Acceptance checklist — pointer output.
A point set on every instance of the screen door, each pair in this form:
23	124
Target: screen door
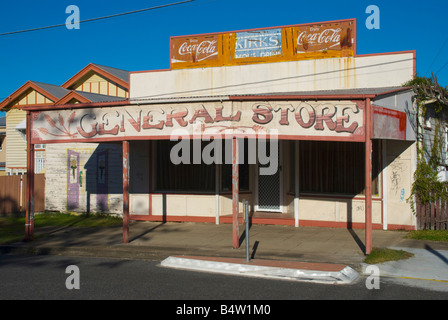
269	186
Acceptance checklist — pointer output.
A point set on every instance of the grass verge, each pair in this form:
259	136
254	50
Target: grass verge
380	255
433	235
12	228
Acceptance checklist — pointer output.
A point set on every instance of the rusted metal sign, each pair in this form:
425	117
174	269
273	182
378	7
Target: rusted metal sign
194	49
258	43
326	39
289	43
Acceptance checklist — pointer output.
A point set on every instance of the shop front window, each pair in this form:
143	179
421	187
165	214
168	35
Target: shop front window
329	167
190	177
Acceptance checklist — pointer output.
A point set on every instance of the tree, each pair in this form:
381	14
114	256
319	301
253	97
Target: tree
431	100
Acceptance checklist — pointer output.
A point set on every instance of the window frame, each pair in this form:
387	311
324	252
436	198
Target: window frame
376	170
221	168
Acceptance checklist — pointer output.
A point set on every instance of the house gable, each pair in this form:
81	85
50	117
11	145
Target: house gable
100	80
29	94
72	98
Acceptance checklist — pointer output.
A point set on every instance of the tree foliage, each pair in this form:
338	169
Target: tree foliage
428	89
428	93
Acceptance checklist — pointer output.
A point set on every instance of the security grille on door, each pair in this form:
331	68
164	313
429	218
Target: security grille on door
269	191
269	187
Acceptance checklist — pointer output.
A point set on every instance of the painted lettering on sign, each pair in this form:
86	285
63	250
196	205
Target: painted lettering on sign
324	37
260	43
194	49
328	38
323	40
299	118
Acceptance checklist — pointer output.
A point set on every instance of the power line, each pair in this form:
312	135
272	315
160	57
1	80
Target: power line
437	55
99	18
441	68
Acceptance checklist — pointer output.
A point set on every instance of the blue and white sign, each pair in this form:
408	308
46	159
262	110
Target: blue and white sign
259	43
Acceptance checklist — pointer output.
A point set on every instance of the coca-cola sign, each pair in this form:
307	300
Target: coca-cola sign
194	49
321	40
324	37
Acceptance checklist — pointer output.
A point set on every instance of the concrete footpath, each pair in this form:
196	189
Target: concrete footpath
324	255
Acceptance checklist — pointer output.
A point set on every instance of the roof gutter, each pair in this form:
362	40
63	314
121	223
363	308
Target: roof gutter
180	99
303	97
77	106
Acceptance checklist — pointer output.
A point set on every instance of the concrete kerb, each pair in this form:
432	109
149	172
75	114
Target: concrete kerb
279	270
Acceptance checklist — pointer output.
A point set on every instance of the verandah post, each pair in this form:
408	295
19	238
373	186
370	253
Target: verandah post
235	192
125	191
368	176
296	185
29	215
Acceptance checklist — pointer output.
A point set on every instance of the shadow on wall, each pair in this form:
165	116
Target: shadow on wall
102	177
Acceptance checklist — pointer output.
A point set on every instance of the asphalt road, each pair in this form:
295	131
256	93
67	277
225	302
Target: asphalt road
44	277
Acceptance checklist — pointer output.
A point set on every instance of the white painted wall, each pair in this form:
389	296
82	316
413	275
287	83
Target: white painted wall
371	71
56	177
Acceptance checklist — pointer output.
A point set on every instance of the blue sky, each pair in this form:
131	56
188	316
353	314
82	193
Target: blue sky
141	41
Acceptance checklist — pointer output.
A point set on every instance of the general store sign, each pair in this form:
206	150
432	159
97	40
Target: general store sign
341	120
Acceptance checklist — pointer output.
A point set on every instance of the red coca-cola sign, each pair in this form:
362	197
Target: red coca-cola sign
324	37
194	49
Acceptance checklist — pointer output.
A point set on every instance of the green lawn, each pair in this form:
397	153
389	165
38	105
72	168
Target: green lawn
433	235
12	228
380	255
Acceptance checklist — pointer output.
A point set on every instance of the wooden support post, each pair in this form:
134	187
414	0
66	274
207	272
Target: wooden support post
29	215
296	182
125	191
217	183
235	192
368	177
384	182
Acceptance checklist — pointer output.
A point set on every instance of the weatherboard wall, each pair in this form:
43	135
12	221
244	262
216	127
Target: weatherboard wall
95	83
16	141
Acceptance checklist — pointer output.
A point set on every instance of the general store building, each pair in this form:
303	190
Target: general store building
341	124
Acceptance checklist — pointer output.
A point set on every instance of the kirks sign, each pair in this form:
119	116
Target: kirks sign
261	43
341	120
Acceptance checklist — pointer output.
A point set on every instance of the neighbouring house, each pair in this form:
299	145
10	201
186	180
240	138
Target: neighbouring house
92	84
290	119
435	131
